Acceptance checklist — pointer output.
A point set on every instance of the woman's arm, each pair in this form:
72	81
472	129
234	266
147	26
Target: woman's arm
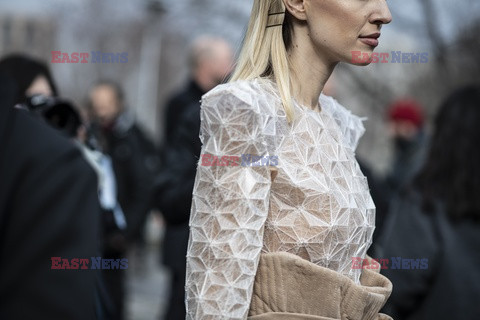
229	209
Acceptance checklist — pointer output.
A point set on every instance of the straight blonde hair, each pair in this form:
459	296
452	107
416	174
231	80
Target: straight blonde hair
264	51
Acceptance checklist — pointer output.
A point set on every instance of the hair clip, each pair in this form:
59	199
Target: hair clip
275	25
275	14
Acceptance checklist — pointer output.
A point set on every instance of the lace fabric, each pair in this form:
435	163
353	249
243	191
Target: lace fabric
318	206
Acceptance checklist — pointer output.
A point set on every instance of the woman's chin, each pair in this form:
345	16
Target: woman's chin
361	64
360	58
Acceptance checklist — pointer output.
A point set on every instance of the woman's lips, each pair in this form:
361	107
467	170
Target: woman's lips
370	41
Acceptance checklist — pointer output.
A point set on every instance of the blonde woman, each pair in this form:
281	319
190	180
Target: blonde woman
280	207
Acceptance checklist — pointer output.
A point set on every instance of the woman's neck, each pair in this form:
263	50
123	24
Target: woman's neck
309	72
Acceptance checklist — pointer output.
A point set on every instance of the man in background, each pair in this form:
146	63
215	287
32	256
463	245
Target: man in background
134	159
211	61
133	153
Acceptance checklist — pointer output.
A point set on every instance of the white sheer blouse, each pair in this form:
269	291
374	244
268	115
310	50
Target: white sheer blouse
313	201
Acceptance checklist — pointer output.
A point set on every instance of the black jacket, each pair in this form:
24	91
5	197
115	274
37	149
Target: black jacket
48	208
188	98
408	160
450	287
180	155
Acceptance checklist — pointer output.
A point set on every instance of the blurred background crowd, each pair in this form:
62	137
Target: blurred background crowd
136	124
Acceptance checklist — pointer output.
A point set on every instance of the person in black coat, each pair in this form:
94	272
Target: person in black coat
48	208
211	61
133	154
407	126
437	221
134	162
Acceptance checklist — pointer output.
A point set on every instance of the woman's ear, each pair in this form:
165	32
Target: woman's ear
296	8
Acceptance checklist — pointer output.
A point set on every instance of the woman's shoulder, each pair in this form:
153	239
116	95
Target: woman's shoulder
253	94
351	125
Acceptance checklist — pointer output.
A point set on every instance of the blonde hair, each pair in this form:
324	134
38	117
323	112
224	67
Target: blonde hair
264	51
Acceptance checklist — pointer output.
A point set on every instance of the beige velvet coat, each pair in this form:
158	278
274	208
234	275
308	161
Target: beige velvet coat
288	287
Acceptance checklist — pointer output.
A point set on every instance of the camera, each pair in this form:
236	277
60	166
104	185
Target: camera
57	112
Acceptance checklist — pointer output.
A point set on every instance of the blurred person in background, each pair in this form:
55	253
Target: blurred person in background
114	221
133	158
211	60
406	121
48	207
30	76
438	218
132	153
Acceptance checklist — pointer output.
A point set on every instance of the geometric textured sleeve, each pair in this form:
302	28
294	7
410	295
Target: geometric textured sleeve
229	208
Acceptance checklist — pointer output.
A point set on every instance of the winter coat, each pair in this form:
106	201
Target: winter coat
180	154
288	287
134	162
48	208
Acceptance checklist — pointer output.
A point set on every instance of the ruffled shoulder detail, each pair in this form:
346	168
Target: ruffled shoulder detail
258	93
260	96
242	90
351	125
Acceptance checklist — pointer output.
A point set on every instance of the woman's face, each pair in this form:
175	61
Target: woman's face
338	28
39	85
